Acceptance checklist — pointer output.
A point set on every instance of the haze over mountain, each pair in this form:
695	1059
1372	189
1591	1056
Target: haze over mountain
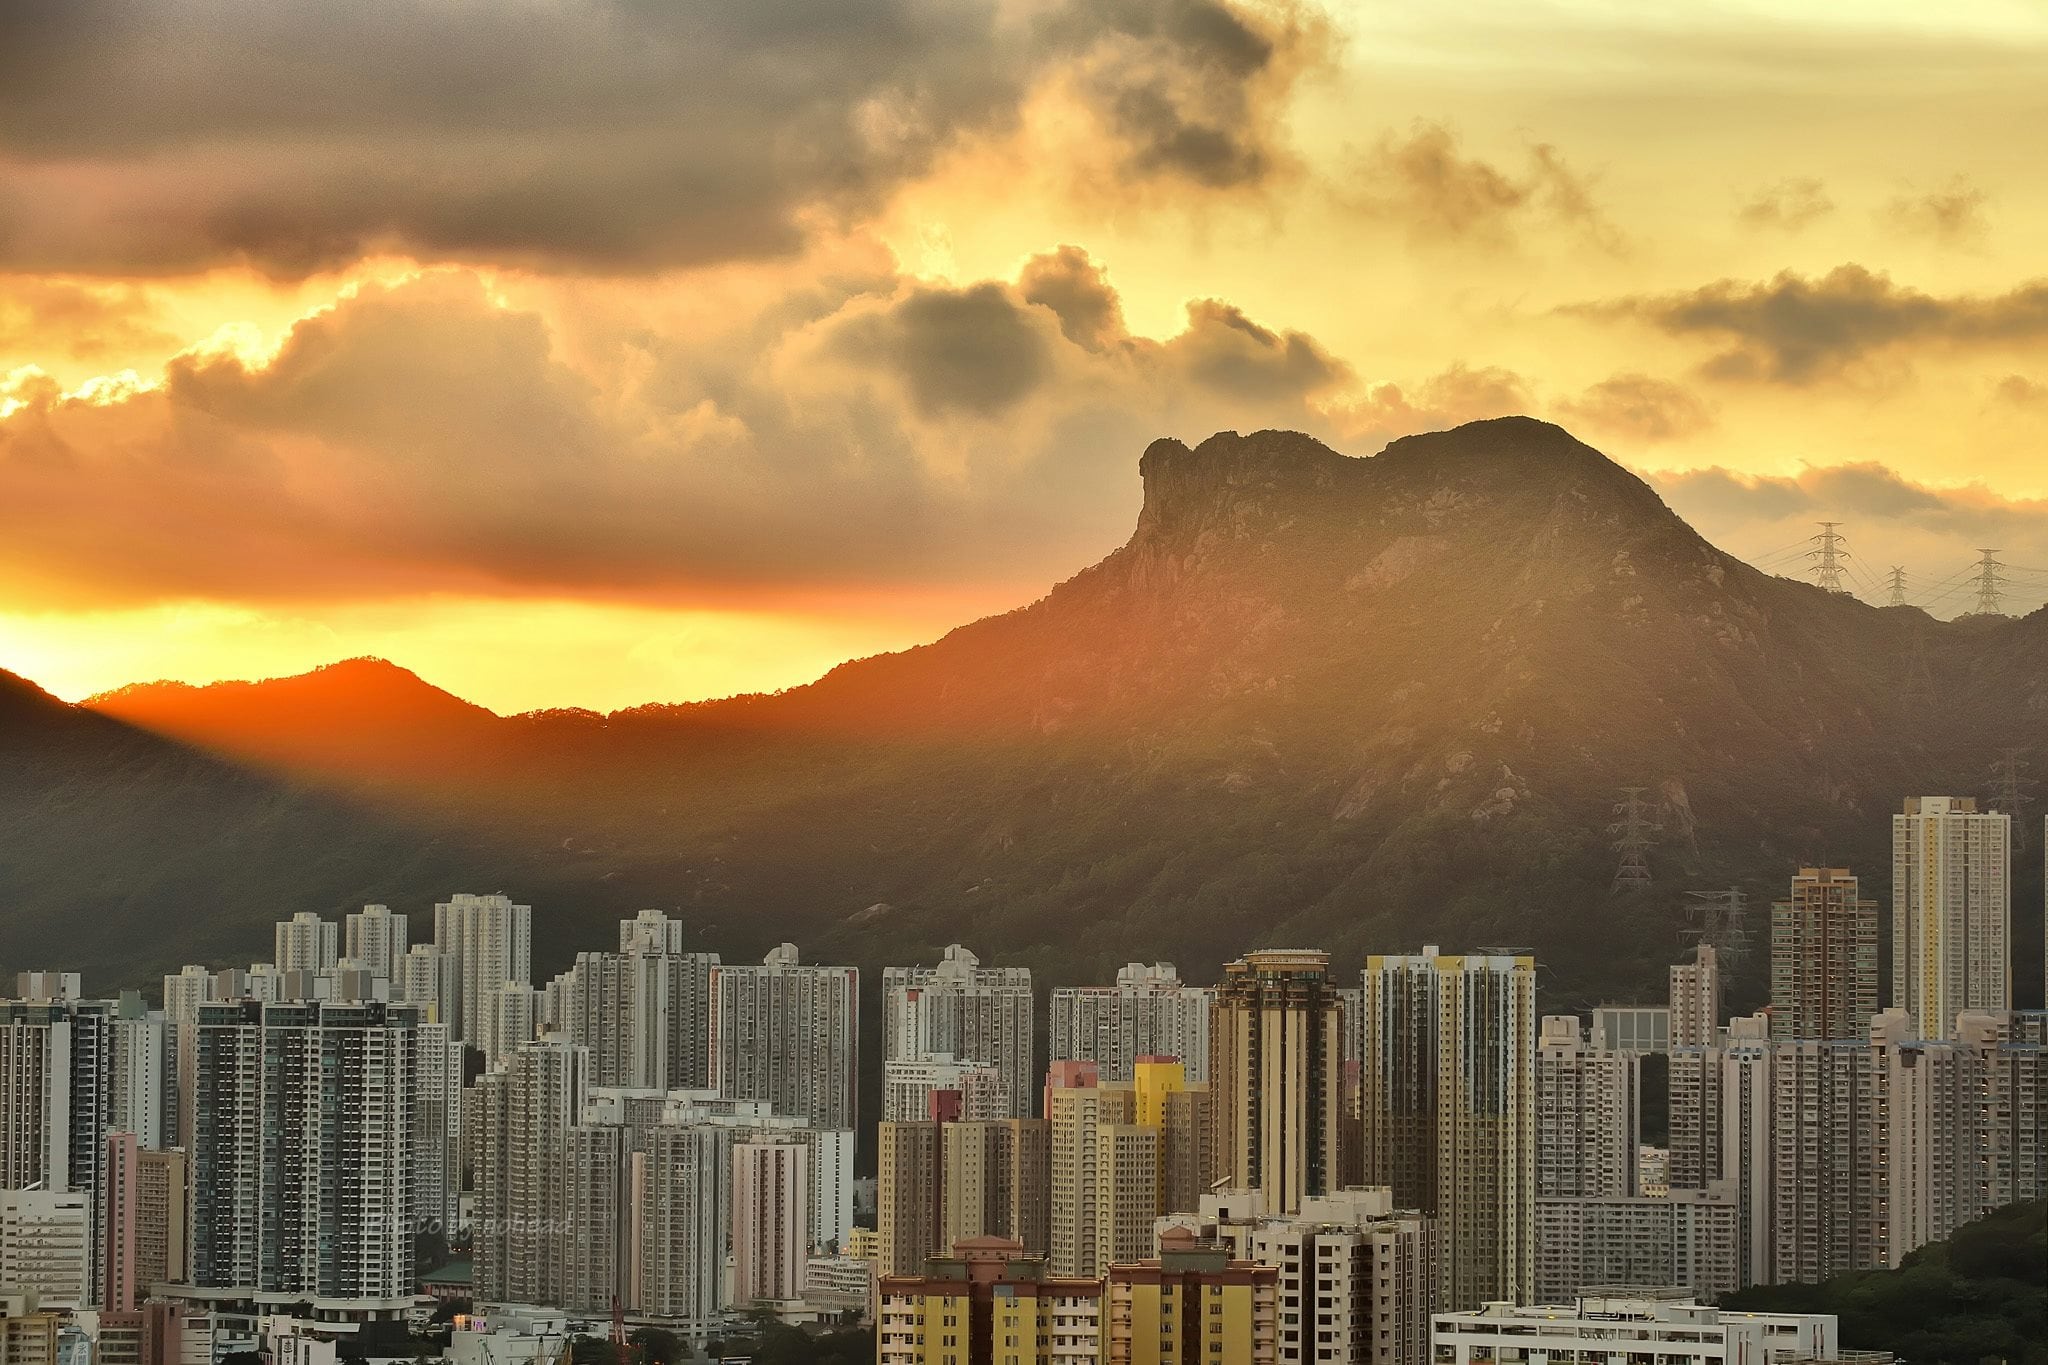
1358	703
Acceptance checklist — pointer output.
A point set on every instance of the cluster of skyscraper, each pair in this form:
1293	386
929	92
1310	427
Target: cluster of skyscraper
1326	1161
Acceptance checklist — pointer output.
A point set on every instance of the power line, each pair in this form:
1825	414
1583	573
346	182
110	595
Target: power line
1896	588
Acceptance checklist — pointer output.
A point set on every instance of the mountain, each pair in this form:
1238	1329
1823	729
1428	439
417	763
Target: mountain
123	853
1363	703
356	716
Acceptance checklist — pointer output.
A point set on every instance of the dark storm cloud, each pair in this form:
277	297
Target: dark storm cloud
1794	329
1425	182
1788	205
977	349
1188	88
164	136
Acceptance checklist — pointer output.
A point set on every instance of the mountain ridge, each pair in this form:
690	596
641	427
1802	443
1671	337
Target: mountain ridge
1361	701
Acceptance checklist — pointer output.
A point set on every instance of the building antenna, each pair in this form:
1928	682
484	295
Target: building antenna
1632	841
1828	552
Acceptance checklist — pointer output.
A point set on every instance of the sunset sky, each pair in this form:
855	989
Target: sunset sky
589	352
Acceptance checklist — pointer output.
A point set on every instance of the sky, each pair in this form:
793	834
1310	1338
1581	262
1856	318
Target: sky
599	352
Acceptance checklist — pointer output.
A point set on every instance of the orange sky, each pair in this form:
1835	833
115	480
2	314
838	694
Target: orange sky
614	358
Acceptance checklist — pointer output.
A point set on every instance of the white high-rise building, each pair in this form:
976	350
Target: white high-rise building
1951	911
307	943
1149	1012
490	942
376	938
46	1245
788	1033
644	1012
1448	1051
771	1201
907	1089
426	978
1587	1125
651	931
966	1013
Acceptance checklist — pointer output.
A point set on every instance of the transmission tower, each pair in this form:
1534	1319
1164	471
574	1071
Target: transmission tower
1719	920
1990	585
1897	597
1632	841
1828	552
2012	792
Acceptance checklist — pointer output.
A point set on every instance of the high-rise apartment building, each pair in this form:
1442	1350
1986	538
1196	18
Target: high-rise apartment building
1077	1116
1823	957
994	1182
686	1215
979	1091
1355	1278
964	1013
908	1214
1276	1061
788	1033
1587	1125
141	1220
1951	911
1191	1302
522	1114
644	1013
302	1149
1696	998
489	942
1149	1012
1447	1053
307	943
376	939
988	1301
425	979
591	1224
46	1245
771	1197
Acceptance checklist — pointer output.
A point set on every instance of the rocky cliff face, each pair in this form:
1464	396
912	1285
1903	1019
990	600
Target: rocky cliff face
1360	702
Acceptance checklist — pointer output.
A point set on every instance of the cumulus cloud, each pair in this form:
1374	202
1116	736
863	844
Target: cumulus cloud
80	320
603	135
1446	399
1794	329
1952	216
1426	183
429	436
1639	406
1789	205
